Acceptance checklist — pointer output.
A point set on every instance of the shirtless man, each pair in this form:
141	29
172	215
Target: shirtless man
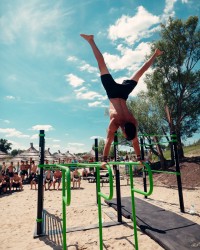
57	178
22	170
3	169
33	175
120	116
17	181
76	178
48	179
11	172
27	169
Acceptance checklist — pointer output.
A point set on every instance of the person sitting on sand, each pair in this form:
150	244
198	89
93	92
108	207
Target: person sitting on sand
57	178
48	179
3	185
17	182
84	173
76	178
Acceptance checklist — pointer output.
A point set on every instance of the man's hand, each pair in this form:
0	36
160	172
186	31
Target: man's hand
103	165
140	165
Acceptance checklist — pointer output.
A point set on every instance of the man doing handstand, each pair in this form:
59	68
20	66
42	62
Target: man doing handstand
120	116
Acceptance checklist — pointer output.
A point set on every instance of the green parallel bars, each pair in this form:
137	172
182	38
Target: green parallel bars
105	197
66	193
66	200
139	192
146	193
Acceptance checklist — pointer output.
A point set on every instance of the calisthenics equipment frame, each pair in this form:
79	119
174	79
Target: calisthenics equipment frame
176	160
66	191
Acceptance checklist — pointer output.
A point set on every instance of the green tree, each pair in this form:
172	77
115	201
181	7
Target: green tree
149	113
5	146
15	152
176	76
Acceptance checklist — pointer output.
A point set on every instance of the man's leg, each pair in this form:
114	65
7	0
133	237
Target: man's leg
99	57
146	65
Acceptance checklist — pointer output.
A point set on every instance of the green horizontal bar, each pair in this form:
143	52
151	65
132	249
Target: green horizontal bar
41	134
165	172
39	220
89	165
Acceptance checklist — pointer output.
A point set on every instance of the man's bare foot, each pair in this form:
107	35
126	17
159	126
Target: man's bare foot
87	37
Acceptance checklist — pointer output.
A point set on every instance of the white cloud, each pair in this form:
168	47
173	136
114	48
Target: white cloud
72	59
12	132
12	78
168	10
75	147
55	146
33	22
17	145
88	68
42	127
96	136
89	95
97	104
74	81
56	140
129	59
133	28
10	97
75	144
35	136
63	99
5	121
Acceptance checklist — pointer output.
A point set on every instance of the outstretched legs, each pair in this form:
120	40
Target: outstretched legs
98	55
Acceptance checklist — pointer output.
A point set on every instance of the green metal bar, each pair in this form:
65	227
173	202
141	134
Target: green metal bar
133	207
133	190
159	143
99	210
64	231
165	172
66	200
111	185
99	200
150	181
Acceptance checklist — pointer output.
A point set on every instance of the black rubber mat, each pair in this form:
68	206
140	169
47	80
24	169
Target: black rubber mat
171	231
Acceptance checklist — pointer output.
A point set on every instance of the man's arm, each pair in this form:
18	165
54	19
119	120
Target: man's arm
136	147
144	68
110	137
109	140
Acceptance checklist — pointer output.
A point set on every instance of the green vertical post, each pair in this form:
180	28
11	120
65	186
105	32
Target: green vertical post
133	207
99	208
64	243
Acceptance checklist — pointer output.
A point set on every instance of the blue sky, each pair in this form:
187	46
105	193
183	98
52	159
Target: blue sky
49	77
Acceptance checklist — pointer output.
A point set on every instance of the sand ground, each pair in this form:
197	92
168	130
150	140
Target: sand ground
19	210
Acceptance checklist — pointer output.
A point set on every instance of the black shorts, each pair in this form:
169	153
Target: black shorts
58	180
116	90
15	184
23	172
10	174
